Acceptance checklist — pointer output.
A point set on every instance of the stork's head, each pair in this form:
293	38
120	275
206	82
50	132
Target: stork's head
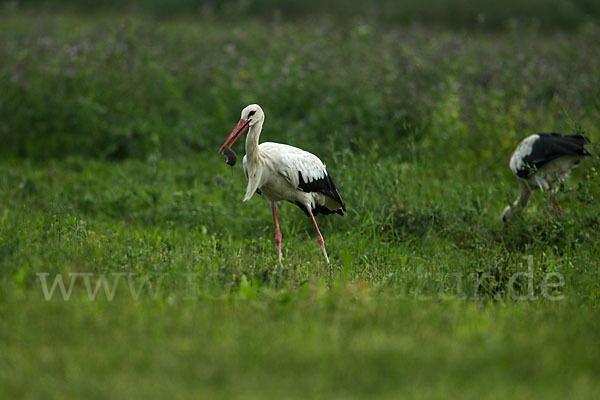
507	214
251	115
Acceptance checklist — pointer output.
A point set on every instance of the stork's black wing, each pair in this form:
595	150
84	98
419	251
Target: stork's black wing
551	146
323	185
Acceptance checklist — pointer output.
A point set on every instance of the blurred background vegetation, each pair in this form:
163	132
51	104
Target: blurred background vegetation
147	78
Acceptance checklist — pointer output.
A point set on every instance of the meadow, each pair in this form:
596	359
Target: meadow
111	180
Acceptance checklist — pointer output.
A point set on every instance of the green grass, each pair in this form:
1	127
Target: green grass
110	130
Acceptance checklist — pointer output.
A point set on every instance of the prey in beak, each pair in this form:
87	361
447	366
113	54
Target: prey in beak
240	128
230	156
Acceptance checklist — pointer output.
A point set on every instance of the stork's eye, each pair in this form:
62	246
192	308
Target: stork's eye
251	113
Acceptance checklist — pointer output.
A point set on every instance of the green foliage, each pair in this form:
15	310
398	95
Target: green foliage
134	87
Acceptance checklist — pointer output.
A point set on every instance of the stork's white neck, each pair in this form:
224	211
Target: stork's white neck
252	149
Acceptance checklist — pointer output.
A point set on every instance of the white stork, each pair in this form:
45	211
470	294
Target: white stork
283	172
541	161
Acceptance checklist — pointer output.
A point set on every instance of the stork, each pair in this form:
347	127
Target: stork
282	172
541	161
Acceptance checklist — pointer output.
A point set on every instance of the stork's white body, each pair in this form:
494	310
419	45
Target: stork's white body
275	173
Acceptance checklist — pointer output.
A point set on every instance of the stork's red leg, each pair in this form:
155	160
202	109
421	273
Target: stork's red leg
319	236
277	231
558	207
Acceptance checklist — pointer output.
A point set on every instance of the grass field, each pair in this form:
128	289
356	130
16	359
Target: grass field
110	180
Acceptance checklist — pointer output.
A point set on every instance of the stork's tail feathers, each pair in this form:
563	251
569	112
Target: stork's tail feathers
581	141
568	144
318	209
326	187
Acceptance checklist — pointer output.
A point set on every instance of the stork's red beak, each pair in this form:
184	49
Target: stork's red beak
235	134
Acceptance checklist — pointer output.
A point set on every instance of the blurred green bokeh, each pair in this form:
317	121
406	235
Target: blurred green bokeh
120	86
